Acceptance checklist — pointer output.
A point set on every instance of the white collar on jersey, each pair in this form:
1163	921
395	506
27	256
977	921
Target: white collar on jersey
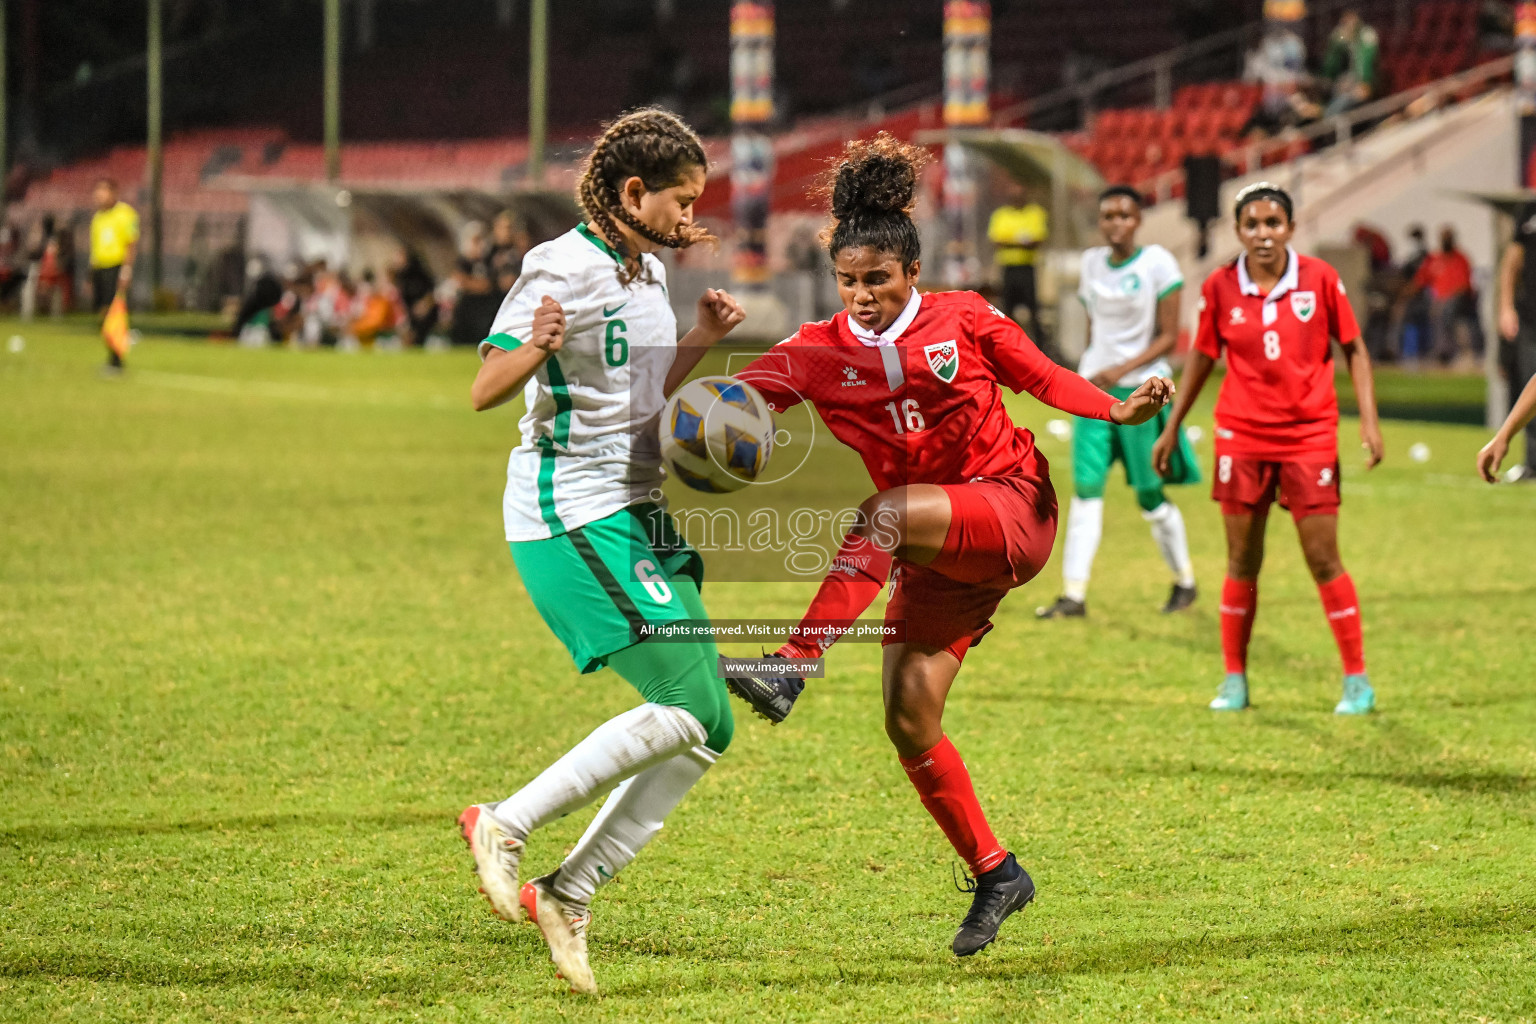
1288	281
893	333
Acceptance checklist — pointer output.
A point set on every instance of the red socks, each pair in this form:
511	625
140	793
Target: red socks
944	786
1343	609
853	582
1239	605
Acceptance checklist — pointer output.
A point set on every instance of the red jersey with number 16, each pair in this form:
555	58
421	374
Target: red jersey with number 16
1277	401
920	402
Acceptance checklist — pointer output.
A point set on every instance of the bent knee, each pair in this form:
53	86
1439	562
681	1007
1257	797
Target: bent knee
700	692
881	513
1325	570
719	733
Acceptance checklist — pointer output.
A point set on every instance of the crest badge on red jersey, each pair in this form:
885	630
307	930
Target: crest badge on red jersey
1303	304
943	360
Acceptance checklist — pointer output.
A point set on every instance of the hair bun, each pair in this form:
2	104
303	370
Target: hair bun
877	176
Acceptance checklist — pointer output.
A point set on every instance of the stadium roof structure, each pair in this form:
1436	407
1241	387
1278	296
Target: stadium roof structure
1511	202
1039	161
313	219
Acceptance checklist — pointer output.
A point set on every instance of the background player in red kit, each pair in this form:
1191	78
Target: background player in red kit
1273	312
965	505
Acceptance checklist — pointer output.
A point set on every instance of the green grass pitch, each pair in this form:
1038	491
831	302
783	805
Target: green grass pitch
260	641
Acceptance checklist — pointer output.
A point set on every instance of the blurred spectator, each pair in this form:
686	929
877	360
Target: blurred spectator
477	302
414	289
56	273
1419	252
263	291
509	244
114	244
1019	230
12	273
1412	312
1376	244
1517	320
1351	63
373	312
1381	291
330	308
288	314
1446	276
1279	64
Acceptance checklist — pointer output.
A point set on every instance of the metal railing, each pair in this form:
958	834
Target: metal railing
1152	80
1155	74
1346	127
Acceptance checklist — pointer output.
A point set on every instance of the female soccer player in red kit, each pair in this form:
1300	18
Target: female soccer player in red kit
964	506
1273	312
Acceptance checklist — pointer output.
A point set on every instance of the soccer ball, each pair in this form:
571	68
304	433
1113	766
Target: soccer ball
716	434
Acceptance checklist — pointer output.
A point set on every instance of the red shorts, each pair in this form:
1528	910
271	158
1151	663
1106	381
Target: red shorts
1307	485
1001	532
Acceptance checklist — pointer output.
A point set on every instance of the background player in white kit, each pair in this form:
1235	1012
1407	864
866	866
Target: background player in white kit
1132	296
588	335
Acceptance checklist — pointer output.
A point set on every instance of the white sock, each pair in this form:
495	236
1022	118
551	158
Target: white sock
1085	528
630	818
1168	532
622	746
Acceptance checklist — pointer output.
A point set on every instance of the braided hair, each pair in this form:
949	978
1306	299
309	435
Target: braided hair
872	191
655	146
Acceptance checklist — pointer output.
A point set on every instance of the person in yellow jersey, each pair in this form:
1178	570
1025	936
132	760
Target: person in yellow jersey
1018	231
114	244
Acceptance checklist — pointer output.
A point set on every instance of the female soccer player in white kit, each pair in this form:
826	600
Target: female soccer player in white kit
588	335
1131	294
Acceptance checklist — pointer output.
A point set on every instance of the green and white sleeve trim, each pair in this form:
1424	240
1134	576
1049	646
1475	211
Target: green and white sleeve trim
1170	288
505	342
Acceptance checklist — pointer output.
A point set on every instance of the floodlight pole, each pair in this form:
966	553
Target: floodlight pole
538	89
153	153
332	90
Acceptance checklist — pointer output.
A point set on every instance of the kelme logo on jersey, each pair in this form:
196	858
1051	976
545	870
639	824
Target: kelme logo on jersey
1303	304
943	360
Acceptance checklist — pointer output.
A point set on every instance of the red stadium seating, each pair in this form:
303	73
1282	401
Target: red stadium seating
1209	117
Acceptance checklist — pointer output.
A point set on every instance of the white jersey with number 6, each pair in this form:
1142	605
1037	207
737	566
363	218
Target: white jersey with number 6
589	437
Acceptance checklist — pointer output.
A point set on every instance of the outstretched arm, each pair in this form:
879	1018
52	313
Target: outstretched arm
1197	370
1492	456
1020	366
1163	342
1359	363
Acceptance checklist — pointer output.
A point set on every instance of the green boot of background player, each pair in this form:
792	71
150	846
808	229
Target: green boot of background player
1358	699
1233	695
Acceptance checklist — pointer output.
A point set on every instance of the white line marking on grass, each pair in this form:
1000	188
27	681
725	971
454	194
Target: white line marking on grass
275	389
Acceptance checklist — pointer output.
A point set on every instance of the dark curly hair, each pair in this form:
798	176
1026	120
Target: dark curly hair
655	146
871	190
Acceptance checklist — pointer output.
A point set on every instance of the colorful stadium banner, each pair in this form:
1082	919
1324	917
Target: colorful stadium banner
751	149
751	62
967	103
967	62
